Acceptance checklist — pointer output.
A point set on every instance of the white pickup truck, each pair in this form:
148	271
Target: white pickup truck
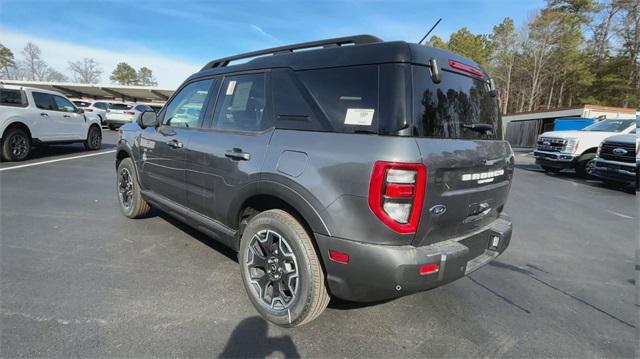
558	150
32	116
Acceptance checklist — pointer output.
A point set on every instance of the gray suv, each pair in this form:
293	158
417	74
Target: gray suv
351	167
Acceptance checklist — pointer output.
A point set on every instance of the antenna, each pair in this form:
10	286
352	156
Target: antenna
428	32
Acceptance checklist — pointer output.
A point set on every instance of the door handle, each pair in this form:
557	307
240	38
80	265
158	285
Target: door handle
237	154
175	144
67	116
44	114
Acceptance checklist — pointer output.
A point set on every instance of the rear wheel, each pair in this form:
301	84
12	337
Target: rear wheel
94	139
280	269
16	145
129	196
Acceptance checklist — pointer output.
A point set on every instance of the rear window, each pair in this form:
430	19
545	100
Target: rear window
458	107
119	106
348	96
12	98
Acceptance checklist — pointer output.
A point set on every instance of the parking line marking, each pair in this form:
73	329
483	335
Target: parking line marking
619	214
57	160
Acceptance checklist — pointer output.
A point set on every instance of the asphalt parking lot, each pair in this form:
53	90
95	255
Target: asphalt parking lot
80	279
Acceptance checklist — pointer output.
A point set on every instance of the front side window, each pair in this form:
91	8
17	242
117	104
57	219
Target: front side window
12	98
241	104
185	108
62	104
43	100
610	126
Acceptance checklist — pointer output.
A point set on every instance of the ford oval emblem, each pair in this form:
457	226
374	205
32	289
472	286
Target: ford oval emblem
546	143
438	209
619	151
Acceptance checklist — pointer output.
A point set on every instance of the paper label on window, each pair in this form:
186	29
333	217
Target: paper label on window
359	116
231	87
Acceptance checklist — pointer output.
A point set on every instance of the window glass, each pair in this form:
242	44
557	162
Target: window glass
185	108
455	107
43	100
119	106
348	96
82	103
241	104
141	108
610	126
63	104
100	105
12	98
291	109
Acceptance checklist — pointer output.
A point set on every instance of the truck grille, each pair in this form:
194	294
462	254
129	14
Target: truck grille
550	144
621	152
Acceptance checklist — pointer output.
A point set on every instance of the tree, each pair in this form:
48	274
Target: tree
86	71
55	76
35	68
124	74
476	47
7	62
435	41
504	41
145	77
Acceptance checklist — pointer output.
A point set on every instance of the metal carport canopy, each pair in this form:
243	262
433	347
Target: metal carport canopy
100	92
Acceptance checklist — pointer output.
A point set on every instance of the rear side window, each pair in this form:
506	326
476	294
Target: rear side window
458	107
100	105
348	96
291	108
241	104
12	98
119	106
43	101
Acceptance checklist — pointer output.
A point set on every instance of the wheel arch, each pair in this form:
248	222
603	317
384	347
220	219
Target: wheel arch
20	125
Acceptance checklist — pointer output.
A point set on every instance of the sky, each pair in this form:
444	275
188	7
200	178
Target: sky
176	38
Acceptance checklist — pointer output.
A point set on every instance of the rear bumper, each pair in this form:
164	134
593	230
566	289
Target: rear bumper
555	159
379	272
616	171
116	123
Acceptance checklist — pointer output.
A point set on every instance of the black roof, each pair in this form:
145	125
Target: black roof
344	51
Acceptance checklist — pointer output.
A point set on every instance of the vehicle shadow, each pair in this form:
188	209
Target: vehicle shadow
568	175
249	340
43	151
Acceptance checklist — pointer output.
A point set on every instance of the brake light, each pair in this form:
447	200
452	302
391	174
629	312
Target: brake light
129	113
466	68
396	194
88	109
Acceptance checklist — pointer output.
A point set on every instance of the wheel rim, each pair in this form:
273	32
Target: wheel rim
94	138
125	188
273	270
589	167
18	145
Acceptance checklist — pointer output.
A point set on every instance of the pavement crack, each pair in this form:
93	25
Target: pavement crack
507	300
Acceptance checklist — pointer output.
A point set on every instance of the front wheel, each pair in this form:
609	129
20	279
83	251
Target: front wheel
94	139
129	196
280	269
16	145
585	165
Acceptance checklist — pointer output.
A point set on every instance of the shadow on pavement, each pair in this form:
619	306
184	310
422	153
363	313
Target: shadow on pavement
569	175
43	151
249	340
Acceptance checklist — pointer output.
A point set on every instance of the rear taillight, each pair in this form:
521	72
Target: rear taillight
88	109
396	194
129	113
466	68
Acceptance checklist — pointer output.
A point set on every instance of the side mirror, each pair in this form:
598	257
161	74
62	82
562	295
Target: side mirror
148	119
80	110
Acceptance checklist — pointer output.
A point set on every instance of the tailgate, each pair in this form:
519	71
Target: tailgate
467	186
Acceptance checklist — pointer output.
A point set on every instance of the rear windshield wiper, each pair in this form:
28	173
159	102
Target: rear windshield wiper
480	127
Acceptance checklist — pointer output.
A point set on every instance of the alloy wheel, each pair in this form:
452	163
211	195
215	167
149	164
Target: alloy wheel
125	188
95	139
18	145
273	270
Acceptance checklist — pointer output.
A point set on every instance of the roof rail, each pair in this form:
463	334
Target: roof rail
339	41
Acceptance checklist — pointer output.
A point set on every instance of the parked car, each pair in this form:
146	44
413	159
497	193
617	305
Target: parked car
617	162
94	109
119	114
337	170
32	116
558	150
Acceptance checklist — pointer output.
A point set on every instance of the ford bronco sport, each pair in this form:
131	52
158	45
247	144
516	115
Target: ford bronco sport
359	168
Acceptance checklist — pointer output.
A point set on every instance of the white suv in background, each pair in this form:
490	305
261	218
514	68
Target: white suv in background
32	116
94	109
120	114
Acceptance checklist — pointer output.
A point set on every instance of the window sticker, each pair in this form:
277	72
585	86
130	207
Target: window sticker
359	116
231	87
240	99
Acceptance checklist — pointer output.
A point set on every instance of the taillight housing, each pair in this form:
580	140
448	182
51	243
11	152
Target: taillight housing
128	112
466	68
396	194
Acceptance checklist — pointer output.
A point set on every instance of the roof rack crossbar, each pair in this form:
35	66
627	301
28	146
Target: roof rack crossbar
339	41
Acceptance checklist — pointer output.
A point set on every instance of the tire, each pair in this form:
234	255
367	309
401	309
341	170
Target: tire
584	165
551	169
16	145
294	260
94	139
129	196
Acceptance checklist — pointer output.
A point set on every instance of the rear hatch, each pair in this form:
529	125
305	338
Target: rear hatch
120	112
458	132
